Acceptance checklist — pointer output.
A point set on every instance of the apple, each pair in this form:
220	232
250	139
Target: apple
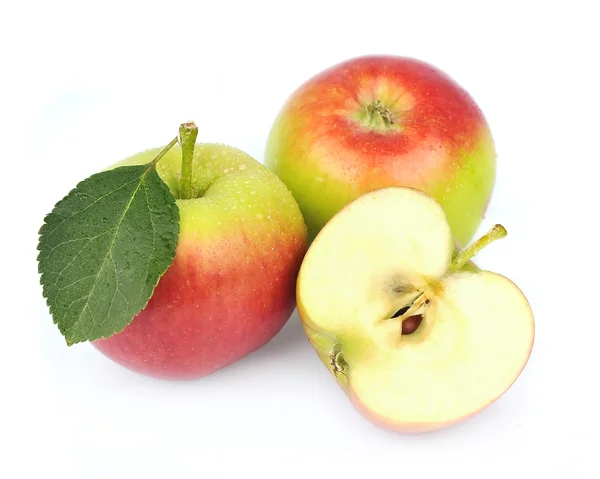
417	340
231	286
378	121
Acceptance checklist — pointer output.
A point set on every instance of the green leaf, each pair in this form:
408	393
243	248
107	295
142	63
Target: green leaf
104	247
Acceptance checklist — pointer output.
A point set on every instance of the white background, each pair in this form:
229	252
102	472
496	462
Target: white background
83	84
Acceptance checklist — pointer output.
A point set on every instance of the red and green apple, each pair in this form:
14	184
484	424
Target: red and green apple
379	121
231	286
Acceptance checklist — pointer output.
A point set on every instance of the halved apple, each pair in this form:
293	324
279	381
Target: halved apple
416	335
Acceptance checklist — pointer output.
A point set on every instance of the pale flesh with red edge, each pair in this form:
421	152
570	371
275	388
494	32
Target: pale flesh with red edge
231	286
392	251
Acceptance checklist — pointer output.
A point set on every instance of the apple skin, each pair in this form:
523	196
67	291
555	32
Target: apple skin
231	286
329	150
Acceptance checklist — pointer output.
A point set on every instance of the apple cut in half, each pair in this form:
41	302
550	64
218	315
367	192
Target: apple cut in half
416	335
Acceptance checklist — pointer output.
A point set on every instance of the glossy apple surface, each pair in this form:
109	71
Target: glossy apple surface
379	121
231	286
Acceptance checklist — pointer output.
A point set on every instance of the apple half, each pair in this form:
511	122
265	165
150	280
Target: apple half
416	335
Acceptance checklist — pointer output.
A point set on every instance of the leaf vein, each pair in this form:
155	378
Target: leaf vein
78	253
141	181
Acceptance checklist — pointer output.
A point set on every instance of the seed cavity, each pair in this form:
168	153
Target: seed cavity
400	312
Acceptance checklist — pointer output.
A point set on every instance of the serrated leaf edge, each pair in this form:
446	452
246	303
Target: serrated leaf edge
42	231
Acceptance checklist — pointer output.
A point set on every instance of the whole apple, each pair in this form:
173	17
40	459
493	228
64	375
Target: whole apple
231	286
378	121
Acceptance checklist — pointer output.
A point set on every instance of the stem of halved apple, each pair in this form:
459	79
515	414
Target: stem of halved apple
188	132
497	232
417	306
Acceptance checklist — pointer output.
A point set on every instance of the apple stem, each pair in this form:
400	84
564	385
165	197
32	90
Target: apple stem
379	112
188	132
497	232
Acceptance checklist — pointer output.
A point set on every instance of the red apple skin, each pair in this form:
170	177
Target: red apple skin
231	286
329	150
208	311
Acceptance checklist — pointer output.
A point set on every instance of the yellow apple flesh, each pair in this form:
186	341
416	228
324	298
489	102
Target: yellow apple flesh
392	250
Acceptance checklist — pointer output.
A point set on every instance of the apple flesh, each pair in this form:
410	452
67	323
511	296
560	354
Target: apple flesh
378	121
231	286
416	340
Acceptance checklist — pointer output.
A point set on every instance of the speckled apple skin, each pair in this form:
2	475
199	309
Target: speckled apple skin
327	151
231	286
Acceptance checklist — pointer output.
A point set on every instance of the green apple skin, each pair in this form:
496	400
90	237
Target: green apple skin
231	286
333	140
